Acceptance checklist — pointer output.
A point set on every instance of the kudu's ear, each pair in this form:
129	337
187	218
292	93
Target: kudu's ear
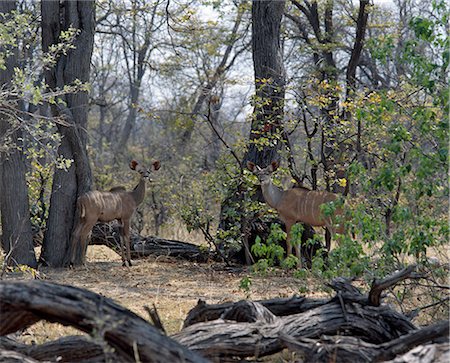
133	164
274	165
251	166
156	164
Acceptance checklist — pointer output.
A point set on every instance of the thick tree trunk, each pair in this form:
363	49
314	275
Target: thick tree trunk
67	185
17	239
269	81
268	111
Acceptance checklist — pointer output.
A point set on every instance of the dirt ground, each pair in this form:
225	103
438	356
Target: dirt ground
174	287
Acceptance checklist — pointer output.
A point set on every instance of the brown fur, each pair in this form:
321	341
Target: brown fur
100	206
296	204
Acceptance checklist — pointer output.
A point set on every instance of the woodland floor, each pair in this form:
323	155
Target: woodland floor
174	287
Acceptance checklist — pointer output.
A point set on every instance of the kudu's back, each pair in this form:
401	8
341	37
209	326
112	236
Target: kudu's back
303	205
103	206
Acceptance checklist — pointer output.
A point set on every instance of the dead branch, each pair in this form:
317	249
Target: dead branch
378	286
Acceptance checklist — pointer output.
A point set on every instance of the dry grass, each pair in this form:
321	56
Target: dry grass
174	287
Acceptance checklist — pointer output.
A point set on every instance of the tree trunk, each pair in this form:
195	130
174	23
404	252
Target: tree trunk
15	213
268	108
75	65
269	81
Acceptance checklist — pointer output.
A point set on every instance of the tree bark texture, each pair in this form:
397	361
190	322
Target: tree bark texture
133	339
58	16
17	239
269	81
66	349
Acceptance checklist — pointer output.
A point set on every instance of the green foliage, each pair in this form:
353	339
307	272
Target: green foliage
348	258
245	285
270	250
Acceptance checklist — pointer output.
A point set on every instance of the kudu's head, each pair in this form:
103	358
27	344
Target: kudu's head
141	169
263	174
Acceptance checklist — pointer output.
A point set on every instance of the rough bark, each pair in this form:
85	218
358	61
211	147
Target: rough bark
348	313
268	110
17	239
345	328
24	303
342	349
260	338
58	16
269	80
203	312
67	349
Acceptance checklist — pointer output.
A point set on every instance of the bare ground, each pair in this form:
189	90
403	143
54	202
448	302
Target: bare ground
174	287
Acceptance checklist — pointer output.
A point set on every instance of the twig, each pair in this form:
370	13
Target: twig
154	316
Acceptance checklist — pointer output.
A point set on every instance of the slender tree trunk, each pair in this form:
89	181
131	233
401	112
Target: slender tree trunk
15	213
58	16
131	118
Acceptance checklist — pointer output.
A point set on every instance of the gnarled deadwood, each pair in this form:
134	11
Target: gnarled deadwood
129	335
430	353
343	349
348	313
378	286
108	234
203	312
10	356
75	348
245	339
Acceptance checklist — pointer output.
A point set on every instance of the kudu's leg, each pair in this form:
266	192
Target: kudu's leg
328	238
126	236
288	239
85	230
121	239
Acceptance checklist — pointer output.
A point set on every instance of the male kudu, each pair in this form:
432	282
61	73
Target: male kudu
100	206
296	205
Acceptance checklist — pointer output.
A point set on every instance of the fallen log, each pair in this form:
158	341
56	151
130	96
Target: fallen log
430	353
344	328
342	349
75	348
10	356
108	234
212	330
23	303
203	312
220	337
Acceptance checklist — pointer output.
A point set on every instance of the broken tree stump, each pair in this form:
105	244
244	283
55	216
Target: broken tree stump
23	303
